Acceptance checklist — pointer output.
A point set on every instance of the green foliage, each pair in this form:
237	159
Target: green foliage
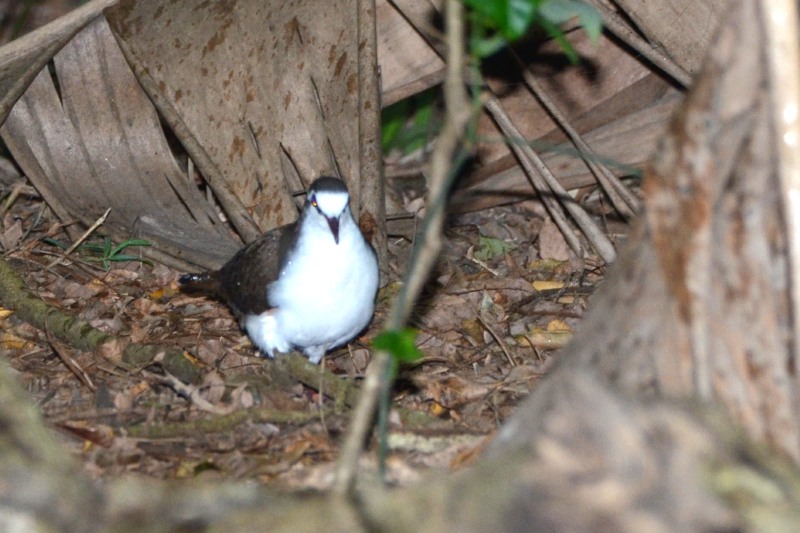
105	252
400	344
408	124
560	11
497	23
489	248
511	18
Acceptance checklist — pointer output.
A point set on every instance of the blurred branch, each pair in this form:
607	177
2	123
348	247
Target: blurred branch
781	20
448	147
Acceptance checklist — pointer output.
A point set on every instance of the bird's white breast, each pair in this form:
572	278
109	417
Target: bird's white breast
325	293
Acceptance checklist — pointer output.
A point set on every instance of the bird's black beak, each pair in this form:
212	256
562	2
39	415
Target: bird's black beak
333	223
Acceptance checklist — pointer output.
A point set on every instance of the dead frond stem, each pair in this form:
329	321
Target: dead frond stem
622	31
550	190
99	222
623	200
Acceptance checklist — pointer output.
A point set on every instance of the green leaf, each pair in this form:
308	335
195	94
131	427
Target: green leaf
486	46
511	18
55	242
559	11
409	124
393	118
105	252
401	344
129	242
558	36
126	257
489	248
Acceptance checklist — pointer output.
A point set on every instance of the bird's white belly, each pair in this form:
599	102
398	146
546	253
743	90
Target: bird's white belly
329	319
325	304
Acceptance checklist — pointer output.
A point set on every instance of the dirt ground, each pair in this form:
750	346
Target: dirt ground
506	295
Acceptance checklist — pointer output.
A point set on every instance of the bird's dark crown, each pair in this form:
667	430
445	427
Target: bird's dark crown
327	184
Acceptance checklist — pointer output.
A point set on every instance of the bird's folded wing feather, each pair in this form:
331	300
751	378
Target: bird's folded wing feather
245	278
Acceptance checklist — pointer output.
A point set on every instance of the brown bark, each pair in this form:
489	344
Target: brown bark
699	303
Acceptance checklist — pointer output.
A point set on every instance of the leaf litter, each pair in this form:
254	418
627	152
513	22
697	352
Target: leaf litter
496	309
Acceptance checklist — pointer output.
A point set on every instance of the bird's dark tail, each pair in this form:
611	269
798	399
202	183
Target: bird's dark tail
203	283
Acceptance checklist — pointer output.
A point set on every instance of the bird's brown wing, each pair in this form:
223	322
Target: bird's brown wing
243	281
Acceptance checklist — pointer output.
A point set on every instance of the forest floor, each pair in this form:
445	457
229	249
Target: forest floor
506	296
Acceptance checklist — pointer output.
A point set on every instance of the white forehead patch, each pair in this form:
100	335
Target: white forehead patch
332	203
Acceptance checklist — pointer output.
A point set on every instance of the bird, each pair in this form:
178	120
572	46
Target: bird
310	285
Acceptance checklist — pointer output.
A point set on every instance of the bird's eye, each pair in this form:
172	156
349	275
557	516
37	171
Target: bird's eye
314	201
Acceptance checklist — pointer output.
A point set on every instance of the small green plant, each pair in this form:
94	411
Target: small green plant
489	248
496	23
105	252
401	346
409	124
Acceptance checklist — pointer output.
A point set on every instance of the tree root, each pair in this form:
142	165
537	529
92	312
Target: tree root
221	423
344	392
77	332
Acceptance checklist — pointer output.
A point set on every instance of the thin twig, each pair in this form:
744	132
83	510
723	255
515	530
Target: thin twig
92	228
12	197
191	393
499	341
61	351
35	223
457	116
482	264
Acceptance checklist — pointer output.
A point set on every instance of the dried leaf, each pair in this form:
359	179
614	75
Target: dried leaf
544	285
243	399
22	59
213	387
99	434
558	326
96	142
681	29
551	242
545	340
491	312
265	97
11	236
111	350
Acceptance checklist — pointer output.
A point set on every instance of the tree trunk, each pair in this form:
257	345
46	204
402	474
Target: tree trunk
699	303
